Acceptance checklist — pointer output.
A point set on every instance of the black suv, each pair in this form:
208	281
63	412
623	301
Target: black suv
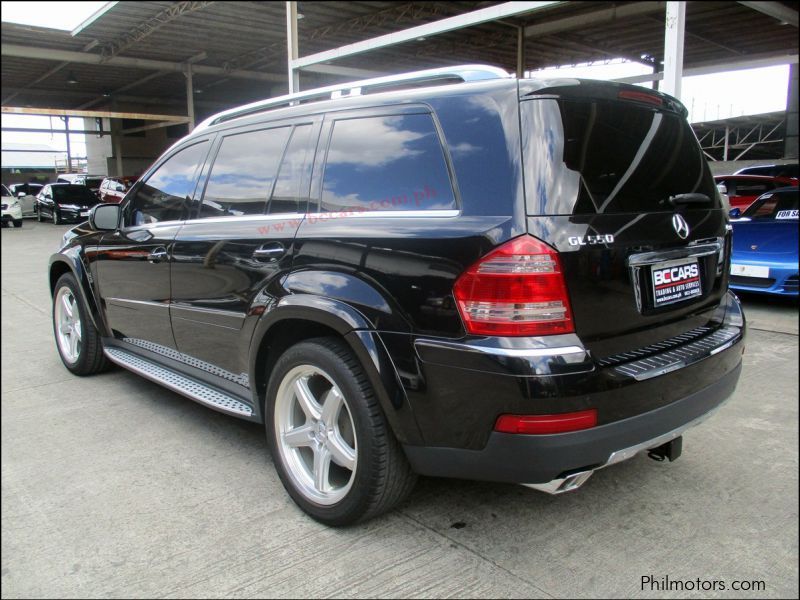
449	273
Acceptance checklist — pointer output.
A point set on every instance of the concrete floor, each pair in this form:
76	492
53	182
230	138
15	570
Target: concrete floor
115	487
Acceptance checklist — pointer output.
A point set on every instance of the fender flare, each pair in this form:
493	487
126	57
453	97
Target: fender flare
362	339
69	261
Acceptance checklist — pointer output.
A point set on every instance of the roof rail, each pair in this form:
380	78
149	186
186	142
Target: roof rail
462	73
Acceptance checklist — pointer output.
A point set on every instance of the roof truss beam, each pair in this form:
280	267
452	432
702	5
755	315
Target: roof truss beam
154	23
776	10
85	58
60	112
476	17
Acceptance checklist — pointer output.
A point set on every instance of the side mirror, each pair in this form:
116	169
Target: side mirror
21	194
723	189
735	213
105	217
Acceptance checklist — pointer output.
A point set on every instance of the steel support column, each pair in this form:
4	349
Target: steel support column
189	97
520	52
293	51
790	137
675	26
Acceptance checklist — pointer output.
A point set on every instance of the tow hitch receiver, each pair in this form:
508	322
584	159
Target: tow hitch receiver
670	451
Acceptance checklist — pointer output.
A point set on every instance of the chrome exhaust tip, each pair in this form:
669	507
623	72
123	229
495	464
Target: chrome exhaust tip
562	484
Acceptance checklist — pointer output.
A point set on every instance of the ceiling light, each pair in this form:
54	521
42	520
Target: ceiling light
300	16
71	79
421	39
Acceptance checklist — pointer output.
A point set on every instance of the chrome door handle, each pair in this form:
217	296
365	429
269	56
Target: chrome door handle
157	255
270	251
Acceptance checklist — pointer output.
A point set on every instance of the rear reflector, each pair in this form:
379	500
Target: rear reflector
517	289
538	424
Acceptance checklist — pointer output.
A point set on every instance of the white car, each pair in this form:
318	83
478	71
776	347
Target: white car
26	192
12	210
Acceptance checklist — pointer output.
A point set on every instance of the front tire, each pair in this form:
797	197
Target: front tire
332	447
39	215
56	218
18	223
77	339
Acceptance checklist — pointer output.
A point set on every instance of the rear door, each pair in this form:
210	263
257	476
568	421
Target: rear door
616	181
240	240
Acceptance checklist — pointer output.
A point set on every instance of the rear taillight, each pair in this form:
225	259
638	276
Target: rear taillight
517	289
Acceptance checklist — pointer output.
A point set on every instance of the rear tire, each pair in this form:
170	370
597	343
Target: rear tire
337	424
77	340
39	215
56	218
18	223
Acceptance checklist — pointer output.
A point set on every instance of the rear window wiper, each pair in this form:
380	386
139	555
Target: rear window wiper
689	199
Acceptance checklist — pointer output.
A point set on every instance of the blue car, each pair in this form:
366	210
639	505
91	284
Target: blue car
765	244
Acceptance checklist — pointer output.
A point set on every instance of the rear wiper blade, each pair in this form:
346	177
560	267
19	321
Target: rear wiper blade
691	198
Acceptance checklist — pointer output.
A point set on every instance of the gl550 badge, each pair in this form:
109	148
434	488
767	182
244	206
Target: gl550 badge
590	240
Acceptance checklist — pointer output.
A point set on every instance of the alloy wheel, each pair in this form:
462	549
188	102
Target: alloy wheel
68	325
315	434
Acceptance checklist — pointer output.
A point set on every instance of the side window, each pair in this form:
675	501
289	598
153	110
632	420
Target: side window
294	172
242	174
166	194
391	163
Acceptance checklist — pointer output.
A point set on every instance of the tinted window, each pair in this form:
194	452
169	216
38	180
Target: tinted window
598	156
243	171
386	163
288	196
781	206
166	194
73	193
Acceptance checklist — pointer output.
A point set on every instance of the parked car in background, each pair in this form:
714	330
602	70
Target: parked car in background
765	257
26	193
492	279
743	189
64	202
91	181
113	189
788	170
11	209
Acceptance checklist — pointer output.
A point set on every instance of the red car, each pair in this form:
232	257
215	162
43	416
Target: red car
113	189
743	189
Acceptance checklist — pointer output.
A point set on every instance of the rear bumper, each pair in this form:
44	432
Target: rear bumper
542	459
641	396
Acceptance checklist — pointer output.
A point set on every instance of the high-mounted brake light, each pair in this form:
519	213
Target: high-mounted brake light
641	97
543	424
517	289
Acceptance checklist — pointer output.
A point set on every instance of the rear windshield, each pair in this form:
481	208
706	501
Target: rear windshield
603	156
774	206
73	193
93	182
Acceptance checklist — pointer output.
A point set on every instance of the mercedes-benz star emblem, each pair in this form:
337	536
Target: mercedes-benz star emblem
680	226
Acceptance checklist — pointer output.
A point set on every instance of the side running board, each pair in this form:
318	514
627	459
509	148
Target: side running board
190	388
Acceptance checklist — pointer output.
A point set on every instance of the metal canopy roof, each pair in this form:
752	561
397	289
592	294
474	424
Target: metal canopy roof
239	48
